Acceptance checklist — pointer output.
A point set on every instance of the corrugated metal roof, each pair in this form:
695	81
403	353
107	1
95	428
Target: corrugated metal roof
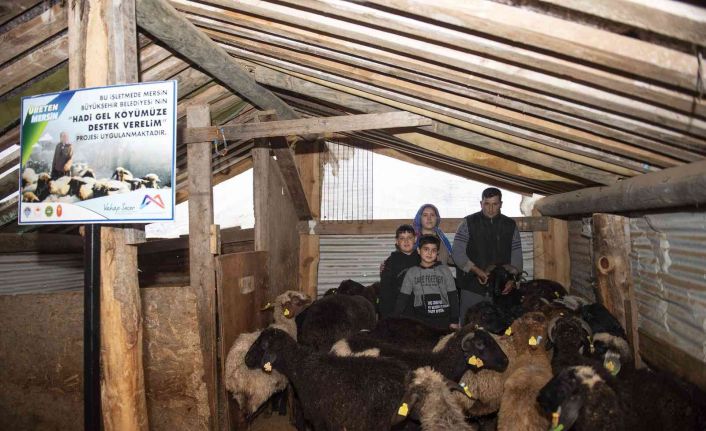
668	262
40	273
358	257
581	255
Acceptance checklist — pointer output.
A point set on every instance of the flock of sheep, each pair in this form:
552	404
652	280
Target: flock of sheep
82	185
538	359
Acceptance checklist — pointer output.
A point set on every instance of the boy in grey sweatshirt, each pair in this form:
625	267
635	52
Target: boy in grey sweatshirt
428	291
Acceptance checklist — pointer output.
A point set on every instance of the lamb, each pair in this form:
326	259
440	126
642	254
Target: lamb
29	197
528	372
252	388
42	190
498	276
28	177
334	317
437	402
409	333
351	393
451	361
122	174
151	181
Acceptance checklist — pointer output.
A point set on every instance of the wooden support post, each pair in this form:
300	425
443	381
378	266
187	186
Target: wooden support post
551	253
201	262
614	286
110	59
308	165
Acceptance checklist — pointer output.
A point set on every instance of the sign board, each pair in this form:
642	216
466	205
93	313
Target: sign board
99	155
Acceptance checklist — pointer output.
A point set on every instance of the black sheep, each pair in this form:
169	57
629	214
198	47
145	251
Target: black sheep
489	317
356	394
333	317
408	333
570	338
451	361
498	276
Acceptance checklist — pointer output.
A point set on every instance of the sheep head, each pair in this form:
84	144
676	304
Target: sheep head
529	331
428	390
291	303
488	316
266	348
482	351
569	332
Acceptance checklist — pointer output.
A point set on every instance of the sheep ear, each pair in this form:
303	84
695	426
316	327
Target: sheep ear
466	341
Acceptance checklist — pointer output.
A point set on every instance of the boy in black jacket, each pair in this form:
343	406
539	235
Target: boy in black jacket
428	292
395	267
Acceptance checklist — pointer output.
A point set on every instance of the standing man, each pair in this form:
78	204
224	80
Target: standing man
63	157
484	238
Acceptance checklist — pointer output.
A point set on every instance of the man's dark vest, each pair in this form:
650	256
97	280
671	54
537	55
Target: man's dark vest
489	242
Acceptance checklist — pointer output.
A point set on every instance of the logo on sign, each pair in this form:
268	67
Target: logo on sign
48	211
59	211
157	200
27	211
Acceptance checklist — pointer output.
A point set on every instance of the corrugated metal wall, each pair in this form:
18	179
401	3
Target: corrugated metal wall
358	257
668	262
40	273
580	252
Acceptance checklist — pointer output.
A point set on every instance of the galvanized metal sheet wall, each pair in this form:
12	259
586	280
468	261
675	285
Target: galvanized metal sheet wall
668	262
358	257
40	273
580	246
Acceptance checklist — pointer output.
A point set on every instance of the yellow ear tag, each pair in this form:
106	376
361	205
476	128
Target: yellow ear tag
592	348
475	361
286	312
267	367
508	331
403	410
555	419
467	391
532	341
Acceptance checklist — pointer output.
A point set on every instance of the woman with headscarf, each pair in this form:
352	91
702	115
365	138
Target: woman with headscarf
426	222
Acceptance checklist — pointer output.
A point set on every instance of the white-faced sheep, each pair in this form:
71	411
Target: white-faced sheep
451	361
151	181
336	393
252	388
334	317
122	174
28	177
528	372
437	402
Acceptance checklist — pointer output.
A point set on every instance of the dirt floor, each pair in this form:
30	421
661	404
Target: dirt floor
274	422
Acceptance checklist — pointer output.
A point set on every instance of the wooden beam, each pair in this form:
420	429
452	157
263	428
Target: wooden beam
450	127
10	138
8	161
10	9
673	19
482	65
681	186
308	160
562	37
551	253
305	126
201	262
36	62
162	21
614	285
290	175
477	87
112	59
33	32
482	116
388	226
8	212
8	183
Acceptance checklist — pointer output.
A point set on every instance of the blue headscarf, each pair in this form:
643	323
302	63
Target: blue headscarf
439	233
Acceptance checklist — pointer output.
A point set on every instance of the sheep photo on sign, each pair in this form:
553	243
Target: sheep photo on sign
99	155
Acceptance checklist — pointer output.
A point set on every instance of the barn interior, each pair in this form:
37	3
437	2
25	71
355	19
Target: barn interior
596	105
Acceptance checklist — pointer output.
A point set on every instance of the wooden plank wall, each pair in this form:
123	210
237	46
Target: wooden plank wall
41	344
276	223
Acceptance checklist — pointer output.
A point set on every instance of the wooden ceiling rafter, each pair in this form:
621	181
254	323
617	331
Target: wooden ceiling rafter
529	78
608	124
485	115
